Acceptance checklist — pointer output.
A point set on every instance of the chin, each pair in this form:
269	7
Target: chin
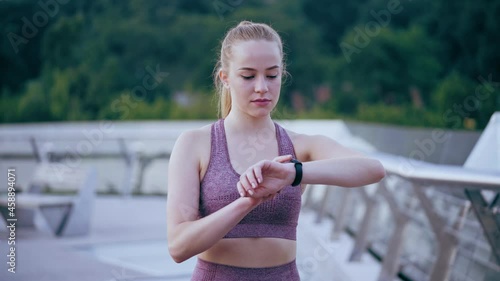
260	113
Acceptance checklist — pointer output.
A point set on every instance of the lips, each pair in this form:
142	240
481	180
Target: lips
261	102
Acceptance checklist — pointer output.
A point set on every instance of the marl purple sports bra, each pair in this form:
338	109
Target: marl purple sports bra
274	218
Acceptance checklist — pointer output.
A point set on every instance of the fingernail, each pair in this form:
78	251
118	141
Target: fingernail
259	180
251	192
254	185
241	194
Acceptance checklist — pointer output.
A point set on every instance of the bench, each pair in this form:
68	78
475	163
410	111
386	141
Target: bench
66	215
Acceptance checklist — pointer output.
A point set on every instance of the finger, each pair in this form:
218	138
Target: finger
283	158
245	184
241	190
257	173
252	179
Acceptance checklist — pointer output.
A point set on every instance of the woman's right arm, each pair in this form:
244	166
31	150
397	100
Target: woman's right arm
187	234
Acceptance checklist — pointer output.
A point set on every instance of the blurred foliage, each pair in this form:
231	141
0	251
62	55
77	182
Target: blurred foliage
418	63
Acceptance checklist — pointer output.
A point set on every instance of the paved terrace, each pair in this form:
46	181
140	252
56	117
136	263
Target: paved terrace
128	242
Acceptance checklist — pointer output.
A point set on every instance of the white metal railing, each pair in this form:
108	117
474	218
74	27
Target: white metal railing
463	244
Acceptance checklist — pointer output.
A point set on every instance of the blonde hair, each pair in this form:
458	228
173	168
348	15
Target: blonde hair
244	31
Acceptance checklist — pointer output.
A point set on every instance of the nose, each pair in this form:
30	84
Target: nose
261	84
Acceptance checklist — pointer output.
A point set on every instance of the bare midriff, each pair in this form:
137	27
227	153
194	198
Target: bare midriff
251	252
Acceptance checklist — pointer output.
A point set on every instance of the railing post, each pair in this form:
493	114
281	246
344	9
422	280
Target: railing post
392	258
361	242
448	243
144	162
324	204
341	218
132	163
42	153
489	221
446	237
308	196
447	250
36	151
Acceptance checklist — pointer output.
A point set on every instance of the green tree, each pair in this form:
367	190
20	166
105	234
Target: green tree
388	65
333	18
92	55
458	98
468	34
32	105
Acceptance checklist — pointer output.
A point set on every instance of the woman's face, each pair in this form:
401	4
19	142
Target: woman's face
254	77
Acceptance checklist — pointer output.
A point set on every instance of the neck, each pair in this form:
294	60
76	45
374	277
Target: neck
242	123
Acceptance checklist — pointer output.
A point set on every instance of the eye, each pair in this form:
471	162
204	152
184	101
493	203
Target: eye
272	76
247	77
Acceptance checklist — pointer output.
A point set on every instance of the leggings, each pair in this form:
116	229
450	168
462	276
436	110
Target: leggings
208	271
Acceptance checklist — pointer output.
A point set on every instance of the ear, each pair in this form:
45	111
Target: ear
224	77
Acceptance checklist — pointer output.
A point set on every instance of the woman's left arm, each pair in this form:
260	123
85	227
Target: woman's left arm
331	163
347	172
324	162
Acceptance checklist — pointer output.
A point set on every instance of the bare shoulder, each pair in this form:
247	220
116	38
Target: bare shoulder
194	146
301	142
316	147
195	135
297	138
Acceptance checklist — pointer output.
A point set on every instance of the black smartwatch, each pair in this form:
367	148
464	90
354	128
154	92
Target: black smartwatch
298	172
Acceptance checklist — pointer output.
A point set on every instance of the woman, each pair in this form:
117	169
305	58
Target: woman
234	193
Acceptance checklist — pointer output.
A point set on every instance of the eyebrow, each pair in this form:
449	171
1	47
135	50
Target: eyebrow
249	68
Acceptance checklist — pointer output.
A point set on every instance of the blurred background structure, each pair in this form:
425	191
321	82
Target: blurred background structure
418	63
109	85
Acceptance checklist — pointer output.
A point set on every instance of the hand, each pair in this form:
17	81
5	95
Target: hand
266	178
